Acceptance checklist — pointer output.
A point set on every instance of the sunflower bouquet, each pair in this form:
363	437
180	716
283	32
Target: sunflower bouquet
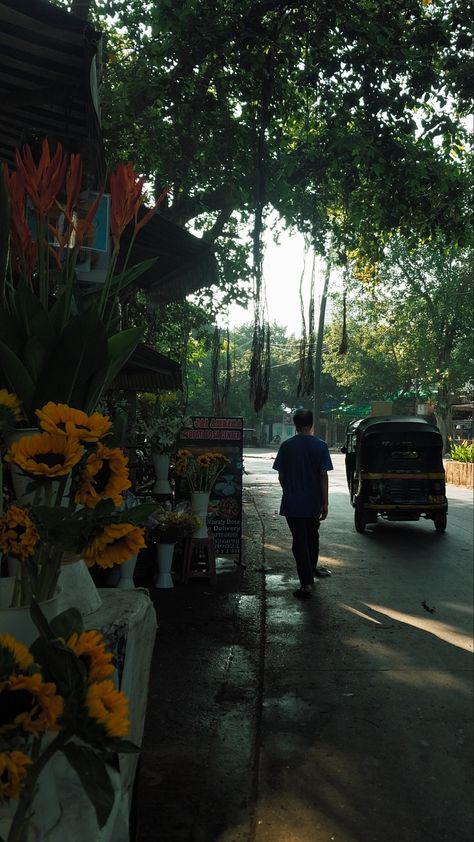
58	696
74	501
200	469
160	418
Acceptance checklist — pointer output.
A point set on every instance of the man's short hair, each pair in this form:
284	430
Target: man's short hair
303	418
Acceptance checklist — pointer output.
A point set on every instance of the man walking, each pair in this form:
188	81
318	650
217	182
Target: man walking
302	463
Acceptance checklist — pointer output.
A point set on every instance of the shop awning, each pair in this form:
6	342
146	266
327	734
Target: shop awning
148	371
48	81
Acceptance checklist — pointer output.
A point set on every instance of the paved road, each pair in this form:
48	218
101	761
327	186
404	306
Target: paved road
346	718
366	729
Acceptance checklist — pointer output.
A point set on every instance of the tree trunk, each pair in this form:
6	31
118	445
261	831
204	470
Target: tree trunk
444	417
318	356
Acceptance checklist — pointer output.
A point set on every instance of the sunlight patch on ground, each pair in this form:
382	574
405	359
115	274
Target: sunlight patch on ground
360	613
275	549
443	631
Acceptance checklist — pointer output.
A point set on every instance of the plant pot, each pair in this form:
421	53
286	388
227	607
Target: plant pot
126	571
17	621
161	463
164	560
200	505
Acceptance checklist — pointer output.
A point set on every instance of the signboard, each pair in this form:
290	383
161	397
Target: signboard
224	435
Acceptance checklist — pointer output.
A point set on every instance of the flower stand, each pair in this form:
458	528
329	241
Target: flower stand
164	560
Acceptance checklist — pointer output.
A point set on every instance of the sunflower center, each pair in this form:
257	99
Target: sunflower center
12	704
49	459
102	477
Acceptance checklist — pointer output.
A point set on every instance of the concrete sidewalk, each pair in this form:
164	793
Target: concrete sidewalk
344	719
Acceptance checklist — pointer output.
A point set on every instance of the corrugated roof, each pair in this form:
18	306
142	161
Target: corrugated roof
48	79
147	371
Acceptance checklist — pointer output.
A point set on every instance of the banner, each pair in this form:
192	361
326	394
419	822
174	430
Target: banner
224	435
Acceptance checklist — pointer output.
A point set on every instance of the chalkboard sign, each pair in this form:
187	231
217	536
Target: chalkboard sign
224	435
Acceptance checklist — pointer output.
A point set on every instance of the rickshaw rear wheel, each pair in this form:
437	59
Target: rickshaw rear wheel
359	519
441	522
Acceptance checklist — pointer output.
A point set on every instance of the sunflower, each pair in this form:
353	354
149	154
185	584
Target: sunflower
18	534
12	772
203	460
89	647
14	654
117	543
27	702
104	475
61	419
10	410
109	708
45	455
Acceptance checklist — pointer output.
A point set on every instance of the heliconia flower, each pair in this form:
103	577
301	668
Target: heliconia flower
126	198
44	180
73	185
82	225
24	249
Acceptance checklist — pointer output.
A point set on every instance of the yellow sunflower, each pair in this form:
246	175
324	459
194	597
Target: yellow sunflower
10	410
18	534
203	460
104	475
61	419
117	543
13	768
27	702
109	707
90	648
45	455
15	652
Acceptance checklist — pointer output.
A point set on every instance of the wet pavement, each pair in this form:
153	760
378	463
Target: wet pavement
347	718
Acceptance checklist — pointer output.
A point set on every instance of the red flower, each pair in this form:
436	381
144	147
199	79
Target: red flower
43	181
24	250
126	198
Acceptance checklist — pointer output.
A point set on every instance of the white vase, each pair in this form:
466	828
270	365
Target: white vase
164	560
200	505
127	570
161	463
78	589
17	621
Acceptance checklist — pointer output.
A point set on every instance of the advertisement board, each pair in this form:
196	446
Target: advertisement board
224	435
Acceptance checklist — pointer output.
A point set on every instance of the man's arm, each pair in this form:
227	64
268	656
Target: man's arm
280	478
324	495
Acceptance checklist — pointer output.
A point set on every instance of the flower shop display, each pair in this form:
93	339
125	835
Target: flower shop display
201	470
58	343
57	696
166	528
160	419
78	480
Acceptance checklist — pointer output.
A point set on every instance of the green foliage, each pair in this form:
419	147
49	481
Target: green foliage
462	452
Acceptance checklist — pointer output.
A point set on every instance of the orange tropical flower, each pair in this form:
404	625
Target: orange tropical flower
104	475
44	180
24	250
61	419
18	534
45	455
108	707
13	768
126	198
29	703
90	648
115	544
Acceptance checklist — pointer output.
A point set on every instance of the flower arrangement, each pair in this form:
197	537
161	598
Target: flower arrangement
56	342
168	527
200	469
161	417
58	696
77	484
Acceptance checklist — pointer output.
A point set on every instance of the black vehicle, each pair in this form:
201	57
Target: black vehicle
394	469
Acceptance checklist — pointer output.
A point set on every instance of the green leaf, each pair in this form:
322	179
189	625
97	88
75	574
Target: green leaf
94	777
16	378
66	623
138	514
120	347
122	746
40	621
63	667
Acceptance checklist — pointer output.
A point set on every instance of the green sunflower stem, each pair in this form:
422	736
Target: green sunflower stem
19	827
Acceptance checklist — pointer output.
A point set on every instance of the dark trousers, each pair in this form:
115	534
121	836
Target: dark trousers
305	546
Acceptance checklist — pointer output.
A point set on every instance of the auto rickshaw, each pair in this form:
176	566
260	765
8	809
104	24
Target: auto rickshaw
394	469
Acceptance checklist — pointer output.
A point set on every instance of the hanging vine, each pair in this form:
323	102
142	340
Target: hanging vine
220	392
307	345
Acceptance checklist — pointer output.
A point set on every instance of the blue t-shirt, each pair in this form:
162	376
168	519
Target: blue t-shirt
300	460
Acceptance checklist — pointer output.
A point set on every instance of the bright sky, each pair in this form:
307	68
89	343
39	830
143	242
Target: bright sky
283	266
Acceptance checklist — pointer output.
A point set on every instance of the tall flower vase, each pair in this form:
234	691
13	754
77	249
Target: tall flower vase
161	463
127	569
200	505
164	560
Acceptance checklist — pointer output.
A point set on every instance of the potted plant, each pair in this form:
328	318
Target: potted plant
166	528
200	469
160	419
